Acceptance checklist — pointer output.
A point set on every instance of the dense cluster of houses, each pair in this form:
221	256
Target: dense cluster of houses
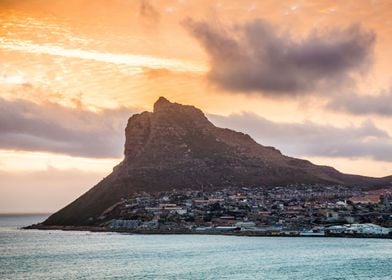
273	209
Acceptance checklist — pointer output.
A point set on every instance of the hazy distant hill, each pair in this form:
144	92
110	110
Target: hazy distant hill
176	146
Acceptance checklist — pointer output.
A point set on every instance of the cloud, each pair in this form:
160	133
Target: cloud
133	61
363	104
259	57
310	139
50	127
149	12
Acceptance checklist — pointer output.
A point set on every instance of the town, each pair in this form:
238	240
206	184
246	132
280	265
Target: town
296	210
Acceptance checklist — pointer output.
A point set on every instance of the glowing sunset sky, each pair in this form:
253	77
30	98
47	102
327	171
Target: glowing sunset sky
312	78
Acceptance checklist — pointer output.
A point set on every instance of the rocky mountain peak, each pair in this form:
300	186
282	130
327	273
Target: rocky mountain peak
162	104
169	124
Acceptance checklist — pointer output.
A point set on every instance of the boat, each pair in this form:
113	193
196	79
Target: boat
226	228
312	232
203	228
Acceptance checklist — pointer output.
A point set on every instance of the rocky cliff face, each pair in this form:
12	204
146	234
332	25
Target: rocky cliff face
176	146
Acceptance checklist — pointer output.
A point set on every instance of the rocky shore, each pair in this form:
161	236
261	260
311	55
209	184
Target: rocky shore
204	232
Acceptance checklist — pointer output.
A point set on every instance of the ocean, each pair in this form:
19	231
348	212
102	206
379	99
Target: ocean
34	254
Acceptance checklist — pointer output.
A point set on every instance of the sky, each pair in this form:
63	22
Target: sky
311	78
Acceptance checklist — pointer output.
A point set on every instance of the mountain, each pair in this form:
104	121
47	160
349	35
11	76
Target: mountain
176	146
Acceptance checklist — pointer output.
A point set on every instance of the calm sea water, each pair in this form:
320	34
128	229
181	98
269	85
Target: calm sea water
37	254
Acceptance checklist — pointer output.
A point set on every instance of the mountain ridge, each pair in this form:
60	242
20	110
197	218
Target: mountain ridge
176	146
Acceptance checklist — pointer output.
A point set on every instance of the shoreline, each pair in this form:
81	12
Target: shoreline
193	232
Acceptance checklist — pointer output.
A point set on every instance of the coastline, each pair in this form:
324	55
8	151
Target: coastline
194	232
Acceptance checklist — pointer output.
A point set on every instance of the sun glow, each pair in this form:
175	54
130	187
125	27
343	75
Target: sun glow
64	62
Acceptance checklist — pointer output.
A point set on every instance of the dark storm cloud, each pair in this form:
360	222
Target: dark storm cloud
355	104
310	139
258	57
50	127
